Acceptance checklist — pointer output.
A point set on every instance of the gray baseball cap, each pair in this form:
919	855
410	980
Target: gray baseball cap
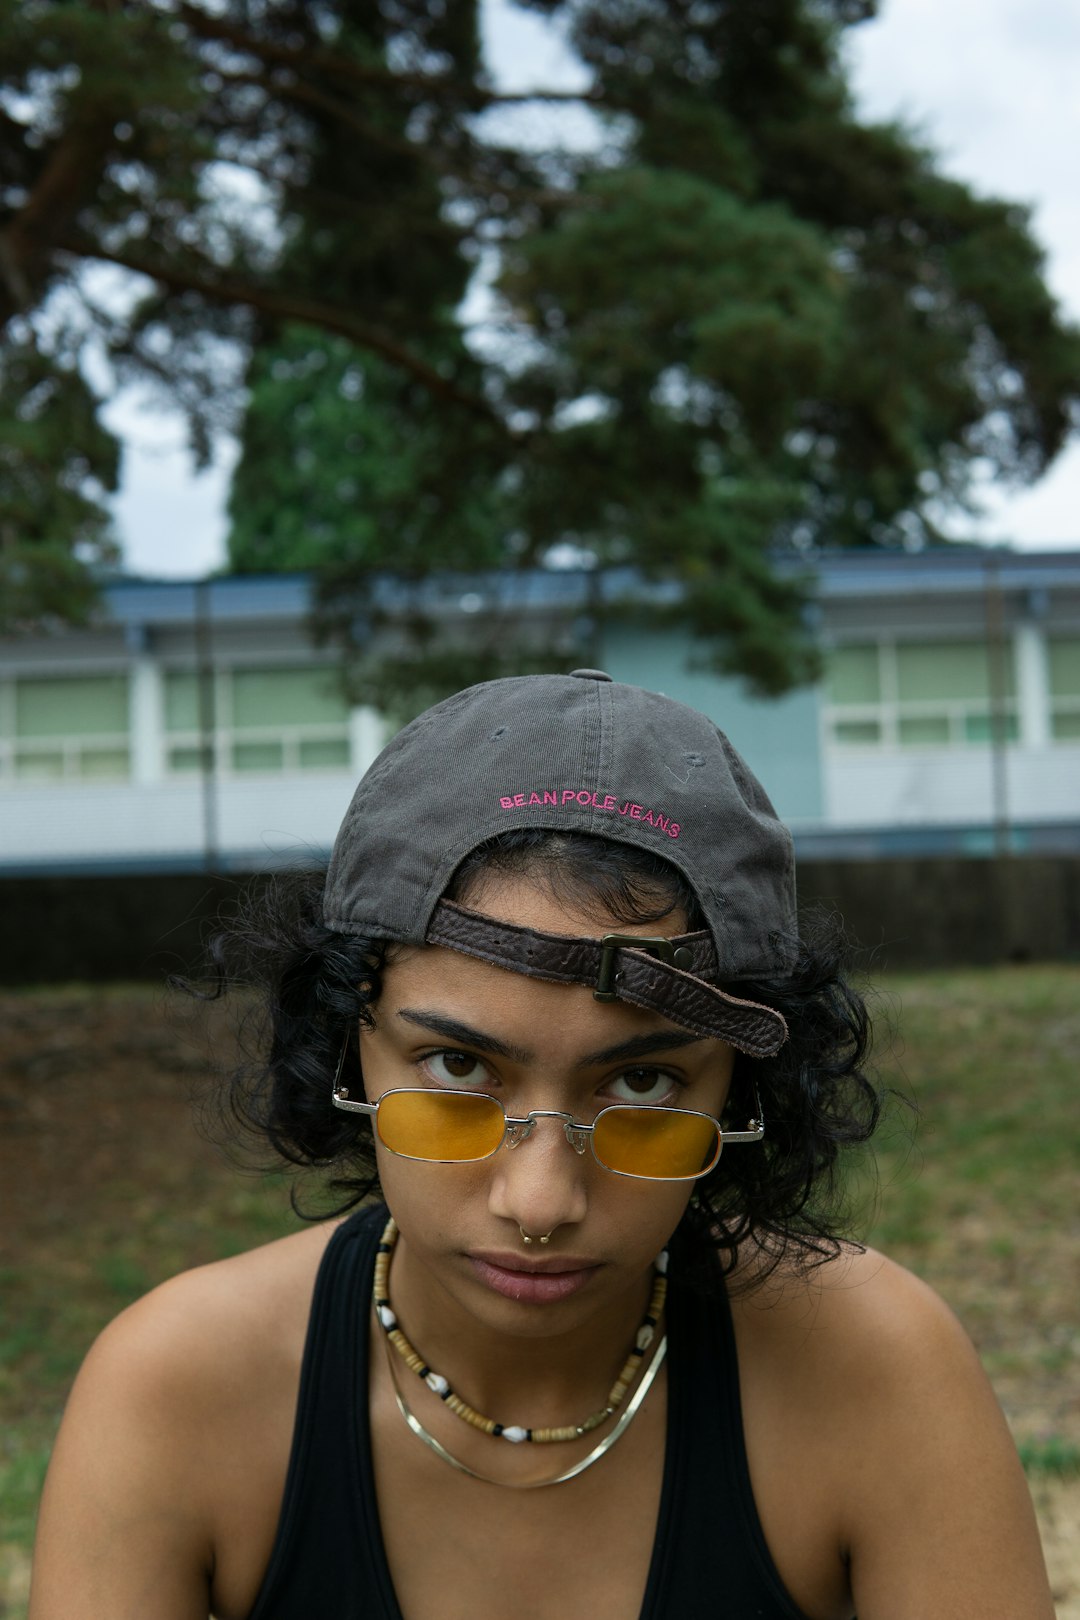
581	753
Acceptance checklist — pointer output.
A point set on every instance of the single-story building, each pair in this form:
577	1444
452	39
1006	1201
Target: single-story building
196	724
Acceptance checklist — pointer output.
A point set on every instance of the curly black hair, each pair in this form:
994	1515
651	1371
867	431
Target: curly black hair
783	1200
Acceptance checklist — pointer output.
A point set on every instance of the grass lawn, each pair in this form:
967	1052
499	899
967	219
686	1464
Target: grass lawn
108	1189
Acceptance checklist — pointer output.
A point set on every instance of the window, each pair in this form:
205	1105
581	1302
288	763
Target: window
266	720
854	675
63	728
1064	662
920	694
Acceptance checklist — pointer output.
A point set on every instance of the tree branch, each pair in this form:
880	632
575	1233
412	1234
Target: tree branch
300	91
68	178
333	65
422	154
284	306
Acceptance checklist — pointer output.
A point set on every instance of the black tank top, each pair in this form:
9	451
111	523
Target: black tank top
328	1560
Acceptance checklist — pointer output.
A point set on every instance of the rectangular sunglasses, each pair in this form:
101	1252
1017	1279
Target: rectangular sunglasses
462	1127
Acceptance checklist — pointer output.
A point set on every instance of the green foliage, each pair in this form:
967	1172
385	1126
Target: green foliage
347	464
56	464
1054	1455
741	324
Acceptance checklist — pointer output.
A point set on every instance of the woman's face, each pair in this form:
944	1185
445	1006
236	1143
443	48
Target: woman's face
444	1019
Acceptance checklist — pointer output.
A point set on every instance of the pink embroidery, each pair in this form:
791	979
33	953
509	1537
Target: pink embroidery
592	801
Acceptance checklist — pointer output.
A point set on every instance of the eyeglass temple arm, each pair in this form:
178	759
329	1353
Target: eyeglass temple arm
755	1126
341	1099
340	1094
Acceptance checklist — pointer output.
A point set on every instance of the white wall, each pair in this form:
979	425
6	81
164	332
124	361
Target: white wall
950	786
272	818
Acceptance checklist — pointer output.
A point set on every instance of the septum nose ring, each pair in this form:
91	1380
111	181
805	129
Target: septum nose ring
526	1239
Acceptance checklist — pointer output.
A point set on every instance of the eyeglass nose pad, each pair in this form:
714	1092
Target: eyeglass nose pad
575	1136
519	1132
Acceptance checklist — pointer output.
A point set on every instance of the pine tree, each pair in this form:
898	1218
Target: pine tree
741	325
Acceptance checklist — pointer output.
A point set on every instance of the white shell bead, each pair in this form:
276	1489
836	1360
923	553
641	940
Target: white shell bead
515	1435
387	1317
645	1337
661	1262
437	1382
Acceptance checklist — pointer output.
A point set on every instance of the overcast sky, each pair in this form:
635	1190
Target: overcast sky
991	85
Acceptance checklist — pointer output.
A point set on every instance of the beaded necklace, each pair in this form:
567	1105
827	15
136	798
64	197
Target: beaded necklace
514	1433
625	1418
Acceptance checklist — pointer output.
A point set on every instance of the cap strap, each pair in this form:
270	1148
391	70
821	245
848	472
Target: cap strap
678	992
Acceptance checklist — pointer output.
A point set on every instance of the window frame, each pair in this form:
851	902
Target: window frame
229	738
890	712
69	748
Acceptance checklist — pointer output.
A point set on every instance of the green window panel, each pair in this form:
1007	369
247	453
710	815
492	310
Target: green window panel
67	706
1065	727
947	671
853	674
857	733
1064	660
286	697
181	701
979	728
80	764
318	753
923	730
258	756
40	766
185	759
104	764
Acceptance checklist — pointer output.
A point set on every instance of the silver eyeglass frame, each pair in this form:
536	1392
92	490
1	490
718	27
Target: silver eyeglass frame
578	1135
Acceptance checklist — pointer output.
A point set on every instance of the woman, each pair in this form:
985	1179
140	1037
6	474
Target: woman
600	1354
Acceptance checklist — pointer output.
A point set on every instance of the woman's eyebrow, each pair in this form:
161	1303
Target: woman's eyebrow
638	1046
453	1030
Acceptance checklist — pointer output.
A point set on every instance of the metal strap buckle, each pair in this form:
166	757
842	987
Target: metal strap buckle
656	945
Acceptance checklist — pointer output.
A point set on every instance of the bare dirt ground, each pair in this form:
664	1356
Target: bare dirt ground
96	1141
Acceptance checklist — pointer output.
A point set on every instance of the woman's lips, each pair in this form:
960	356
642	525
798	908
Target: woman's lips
532	1282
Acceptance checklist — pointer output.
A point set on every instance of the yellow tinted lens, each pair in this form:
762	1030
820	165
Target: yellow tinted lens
446	1127
664	1143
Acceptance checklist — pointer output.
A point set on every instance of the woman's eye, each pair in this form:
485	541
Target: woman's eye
455	1068
644	1086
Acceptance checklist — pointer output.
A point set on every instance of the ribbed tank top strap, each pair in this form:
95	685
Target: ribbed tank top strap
328	1561
710	1555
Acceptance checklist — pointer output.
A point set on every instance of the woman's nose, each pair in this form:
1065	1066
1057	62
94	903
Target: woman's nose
541	1184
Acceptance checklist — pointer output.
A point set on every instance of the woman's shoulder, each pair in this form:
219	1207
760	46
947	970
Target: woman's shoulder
202	1332
856	1281
861	1389
856	1321
860	1358
176	1435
